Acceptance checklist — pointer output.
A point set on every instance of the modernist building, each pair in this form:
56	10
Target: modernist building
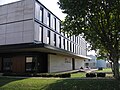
31	40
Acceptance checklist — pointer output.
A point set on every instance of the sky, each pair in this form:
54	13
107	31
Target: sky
50	4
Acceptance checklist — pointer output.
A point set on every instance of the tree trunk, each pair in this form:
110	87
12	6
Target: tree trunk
116	68
111	63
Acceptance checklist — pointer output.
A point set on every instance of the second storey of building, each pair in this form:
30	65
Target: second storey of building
29	21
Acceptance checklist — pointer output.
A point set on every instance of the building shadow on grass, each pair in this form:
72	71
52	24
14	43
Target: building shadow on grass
85	84
7	80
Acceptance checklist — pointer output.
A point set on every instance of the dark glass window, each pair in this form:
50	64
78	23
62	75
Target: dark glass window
30	64
41	14
60	41
54	39
73	48
70	46
48	19
67	45
7	64
64	43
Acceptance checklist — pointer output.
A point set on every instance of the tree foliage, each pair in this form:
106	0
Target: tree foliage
97	20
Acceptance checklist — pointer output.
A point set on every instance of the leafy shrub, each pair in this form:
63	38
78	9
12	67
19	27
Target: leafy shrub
60	75
90	75
101	74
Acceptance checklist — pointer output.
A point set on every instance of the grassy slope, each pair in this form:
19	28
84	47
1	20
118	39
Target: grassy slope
57	84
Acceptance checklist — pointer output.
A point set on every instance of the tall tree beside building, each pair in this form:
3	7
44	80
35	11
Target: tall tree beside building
99	23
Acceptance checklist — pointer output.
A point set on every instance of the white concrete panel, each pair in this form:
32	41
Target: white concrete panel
59	63
14	27
10	28
28	14
28	2
11	17
3	18
18	26
2	29
3	10
19	15
28	36
20	6
14	38
28	25
2	39
28	9
12	7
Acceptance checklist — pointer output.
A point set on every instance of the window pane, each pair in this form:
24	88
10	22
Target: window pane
37	10
41	14
54	23
29	59
48	37
30	64
48	19
40	33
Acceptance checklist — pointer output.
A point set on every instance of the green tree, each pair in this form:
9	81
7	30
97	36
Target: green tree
99	23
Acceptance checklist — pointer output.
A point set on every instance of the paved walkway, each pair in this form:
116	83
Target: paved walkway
90	70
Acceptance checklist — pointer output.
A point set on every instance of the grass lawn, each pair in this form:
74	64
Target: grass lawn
58	84
78	75
105	70
108	72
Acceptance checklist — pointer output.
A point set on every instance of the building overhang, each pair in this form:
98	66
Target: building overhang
38	47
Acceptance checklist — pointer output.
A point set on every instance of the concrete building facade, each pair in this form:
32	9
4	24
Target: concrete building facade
31	40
